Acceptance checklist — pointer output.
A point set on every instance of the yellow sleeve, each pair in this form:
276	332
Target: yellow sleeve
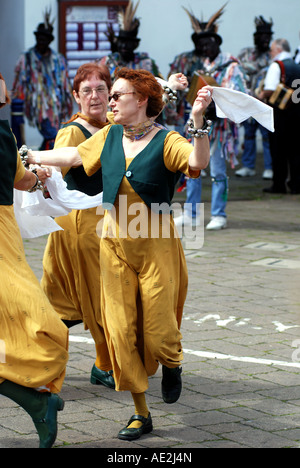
177	151
20	169
90	151
68	136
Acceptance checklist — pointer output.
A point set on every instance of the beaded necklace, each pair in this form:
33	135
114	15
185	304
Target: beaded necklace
136	132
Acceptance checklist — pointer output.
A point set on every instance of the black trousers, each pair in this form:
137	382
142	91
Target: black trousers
285	149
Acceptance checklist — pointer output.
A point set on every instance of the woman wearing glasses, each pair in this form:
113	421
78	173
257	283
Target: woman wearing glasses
140	166
71	259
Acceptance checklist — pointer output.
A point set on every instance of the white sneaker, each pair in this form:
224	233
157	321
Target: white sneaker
267	174
245	172
186	220
216	223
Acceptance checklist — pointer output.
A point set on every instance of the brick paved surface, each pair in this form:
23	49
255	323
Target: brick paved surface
241	337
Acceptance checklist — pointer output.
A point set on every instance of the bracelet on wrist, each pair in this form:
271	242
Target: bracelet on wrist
171	94
23	151
38	184
199	132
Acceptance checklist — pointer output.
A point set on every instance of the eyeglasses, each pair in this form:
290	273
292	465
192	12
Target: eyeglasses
116	96
87	92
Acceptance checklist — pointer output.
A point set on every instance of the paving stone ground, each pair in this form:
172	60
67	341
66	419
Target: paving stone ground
241	340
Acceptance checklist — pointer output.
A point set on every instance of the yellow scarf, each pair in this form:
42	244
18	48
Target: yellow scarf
94	122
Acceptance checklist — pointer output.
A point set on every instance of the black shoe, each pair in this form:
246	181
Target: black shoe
171	384
71	323
131	433
293	188
100	377
274	190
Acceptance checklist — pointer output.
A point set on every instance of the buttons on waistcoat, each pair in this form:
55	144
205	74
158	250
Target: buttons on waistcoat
128	174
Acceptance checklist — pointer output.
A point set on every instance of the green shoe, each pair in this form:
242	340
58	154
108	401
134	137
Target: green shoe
100	377
131	433
47	427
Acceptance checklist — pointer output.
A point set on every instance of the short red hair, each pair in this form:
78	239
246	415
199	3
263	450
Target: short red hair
146	86
88	69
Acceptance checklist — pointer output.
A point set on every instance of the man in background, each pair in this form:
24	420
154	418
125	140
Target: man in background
284	142
255	61
41	88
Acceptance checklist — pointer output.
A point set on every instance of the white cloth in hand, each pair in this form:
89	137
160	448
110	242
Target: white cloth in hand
238	107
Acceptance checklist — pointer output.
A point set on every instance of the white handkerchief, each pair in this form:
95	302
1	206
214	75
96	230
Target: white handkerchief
72	199
32	226
238	107
34	212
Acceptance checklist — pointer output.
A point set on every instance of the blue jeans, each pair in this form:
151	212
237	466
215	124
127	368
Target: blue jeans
249	154
218	172
219	188
193	196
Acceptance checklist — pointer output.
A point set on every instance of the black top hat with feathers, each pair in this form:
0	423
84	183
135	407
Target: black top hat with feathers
262	26
129	24
208	28
46	28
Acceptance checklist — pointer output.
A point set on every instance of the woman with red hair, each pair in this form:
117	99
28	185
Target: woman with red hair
71	259
143	273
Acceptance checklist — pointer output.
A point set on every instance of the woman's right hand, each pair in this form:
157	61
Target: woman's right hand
202	101
43	173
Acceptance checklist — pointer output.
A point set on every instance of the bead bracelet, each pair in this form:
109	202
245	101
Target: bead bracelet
23	151
199	132
38	184
171	93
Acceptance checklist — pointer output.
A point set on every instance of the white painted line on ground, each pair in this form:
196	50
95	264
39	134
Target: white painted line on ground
81	339
228	357
272	246
209	355
278	263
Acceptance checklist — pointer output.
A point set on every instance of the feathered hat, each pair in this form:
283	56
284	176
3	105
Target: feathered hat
262	26
129	24
46	28
208	28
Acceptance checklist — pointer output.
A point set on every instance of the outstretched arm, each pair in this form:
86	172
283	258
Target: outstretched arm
199	158
62	157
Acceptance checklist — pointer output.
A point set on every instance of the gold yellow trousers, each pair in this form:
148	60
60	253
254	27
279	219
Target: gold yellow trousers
33	340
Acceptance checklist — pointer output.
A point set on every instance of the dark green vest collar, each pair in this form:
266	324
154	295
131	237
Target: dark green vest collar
147	173
76	177
8	163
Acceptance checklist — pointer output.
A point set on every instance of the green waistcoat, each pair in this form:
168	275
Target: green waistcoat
8	163
147	173
76	177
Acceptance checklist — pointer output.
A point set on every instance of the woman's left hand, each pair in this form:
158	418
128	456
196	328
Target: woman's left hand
43	173
178	81
201	102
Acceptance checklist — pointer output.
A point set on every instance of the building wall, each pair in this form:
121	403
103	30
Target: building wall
165	29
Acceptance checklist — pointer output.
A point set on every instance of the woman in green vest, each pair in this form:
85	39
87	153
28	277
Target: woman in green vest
140	264
33	340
